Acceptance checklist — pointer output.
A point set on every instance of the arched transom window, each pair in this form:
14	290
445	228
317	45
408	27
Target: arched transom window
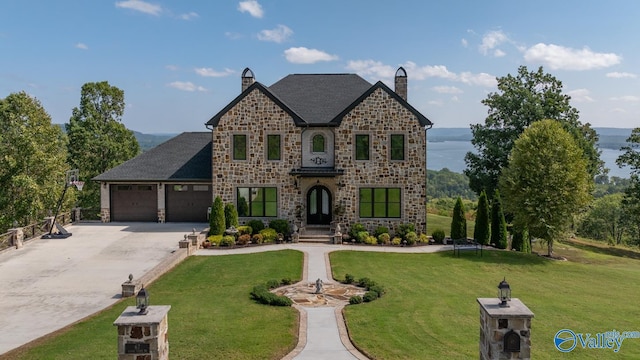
318	144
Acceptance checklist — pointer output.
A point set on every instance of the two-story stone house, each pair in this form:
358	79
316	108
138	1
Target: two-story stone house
311	147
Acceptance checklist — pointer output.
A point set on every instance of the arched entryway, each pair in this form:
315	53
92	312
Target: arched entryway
318	206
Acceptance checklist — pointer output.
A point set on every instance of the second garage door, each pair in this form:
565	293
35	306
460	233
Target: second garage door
188	203
137	202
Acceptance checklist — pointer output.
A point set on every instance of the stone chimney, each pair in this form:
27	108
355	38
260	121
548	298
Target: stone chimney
248	79
401	83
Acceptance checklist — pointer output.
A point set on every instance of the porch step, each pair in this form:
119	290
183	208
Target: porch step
316	234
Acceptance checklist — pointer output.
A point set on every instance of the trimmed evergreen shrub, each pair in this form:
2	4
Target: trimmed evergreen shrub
458	222
280	226
411	238
404	229
215	240
286	281
216	219
261	294
423	238
349	279
384	239
498	223
228	240
355	300
243	207
245	230
482	230
396	241
257	239
520	240
362	236
366	283
355	229
230	216
438	236
380	230
256	226
378	290
273	283
269	235
371	240
370	296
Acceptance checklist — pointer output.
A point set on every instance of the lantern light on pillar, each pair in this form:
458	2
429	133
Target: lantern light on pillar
142	301
504	293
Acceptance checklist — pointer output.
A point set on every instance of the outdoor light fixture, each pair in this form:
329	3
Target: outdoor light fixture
142	301
504	293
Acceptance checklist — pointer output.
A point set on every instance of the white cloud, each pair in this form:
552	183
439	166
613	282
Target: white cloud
621	75
278	35
580	95
629	98
435	102
171	67
421	73
480	79
371	68
302	55
499	53
464	42
447	90
189	16
455	99
82	46
618	111
233	35
492	40
186	86
139	5
209	72
252	7
564	58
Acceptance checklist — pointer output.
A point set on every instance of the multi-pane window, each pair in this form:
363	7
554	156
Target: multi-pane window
379	202
362	147
257	201
239	147
397	147
273	147
318	144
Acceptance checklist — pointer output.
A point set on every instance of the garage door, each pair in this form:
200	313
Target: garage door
188	203
134	203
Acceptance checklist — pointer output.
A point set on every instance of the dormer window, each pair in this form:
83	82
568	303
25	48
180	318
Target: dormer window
318	144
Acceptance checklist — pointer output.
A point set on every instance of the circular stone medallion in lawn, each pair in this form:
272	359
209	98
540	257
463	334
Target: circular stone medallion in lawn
333	294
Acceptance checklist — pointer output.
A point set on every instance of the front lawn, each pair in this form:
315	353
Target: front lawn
430	309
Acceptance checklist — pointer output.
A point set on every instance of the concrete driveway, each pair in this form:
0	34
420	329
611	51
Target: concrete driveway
49	284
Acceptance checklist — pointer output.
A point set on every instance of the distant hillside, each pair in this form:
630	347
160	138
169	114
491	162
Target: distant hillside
149	141
610	138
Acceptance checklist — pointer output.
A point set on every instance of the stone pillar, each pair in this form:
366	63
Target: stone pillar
77	214
17	237
161	216
143	337
105	215
505	332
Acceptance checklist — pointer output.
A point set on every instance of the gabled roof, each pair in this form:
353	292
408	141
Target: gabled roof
186	157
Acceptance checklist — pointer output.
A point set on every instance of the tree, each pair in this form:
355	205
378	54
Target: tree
482	230
458	222
546	182
98	140
216	218
522	100
230	216
498	222
521	241
605	220
631	201
33	159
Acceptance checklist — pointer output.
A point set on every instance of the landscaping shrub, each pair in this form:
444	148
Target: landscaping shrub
423	238
438	236
244	239
498	223
411	238
355	229
381	230
354	300
366	283
261	294
349	279
362	236
257	239
482	229
228	240
384	239
370	296
396	241
245	230
371	240
377	289
269	235
458	222
230	216
273	283
286	281
215	240
280	226
216	219
404	229
256	226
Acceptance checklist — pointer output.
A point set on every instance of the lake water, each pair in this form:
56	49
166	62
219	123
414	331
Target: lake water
450	155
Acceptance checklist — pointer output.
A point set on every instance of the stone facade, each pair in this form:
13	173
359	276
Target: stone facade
498	323
379	115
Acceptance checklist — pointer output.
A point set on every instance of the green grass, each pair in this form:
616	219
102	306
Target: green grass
430	309
211	317
444	222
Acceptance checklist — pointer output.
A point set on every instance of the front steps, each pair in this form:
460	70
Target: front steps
316	234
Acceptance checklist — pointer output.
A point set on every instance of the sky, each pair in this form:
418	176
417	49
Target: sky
180	62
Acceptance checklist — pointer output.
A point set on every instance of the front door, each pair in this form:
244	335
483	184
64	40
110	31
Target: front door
318	206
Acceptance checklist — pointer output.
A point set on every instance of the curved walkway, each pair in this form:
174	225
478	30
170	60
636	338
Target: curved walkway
323	334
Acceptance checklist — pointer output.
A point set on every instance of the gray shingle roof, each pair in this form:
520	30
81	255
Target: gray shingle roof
184	157
319	98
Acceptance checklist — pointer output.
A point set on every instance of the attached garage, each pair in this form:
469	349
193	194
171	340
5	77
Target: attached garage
134	202
187	203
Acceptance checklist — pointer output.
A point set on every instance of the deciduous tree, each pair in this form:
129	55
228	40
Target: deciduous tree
546	182
98	140
520	101
606	219
482	230
631	201
33	157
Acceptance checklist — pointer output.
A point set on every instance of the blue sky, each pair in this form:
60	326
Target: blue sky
180	62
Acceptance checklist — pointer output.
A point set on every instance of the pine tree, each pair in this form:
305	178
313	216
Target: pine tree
216	220
482	230
498	223
459	222
230	216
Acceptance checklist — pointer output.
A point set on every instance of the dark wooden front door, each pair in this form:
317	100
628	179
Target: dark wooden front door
318	206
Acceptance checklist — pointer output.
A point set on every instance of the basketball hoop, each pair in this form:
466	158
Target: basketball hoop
78	184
